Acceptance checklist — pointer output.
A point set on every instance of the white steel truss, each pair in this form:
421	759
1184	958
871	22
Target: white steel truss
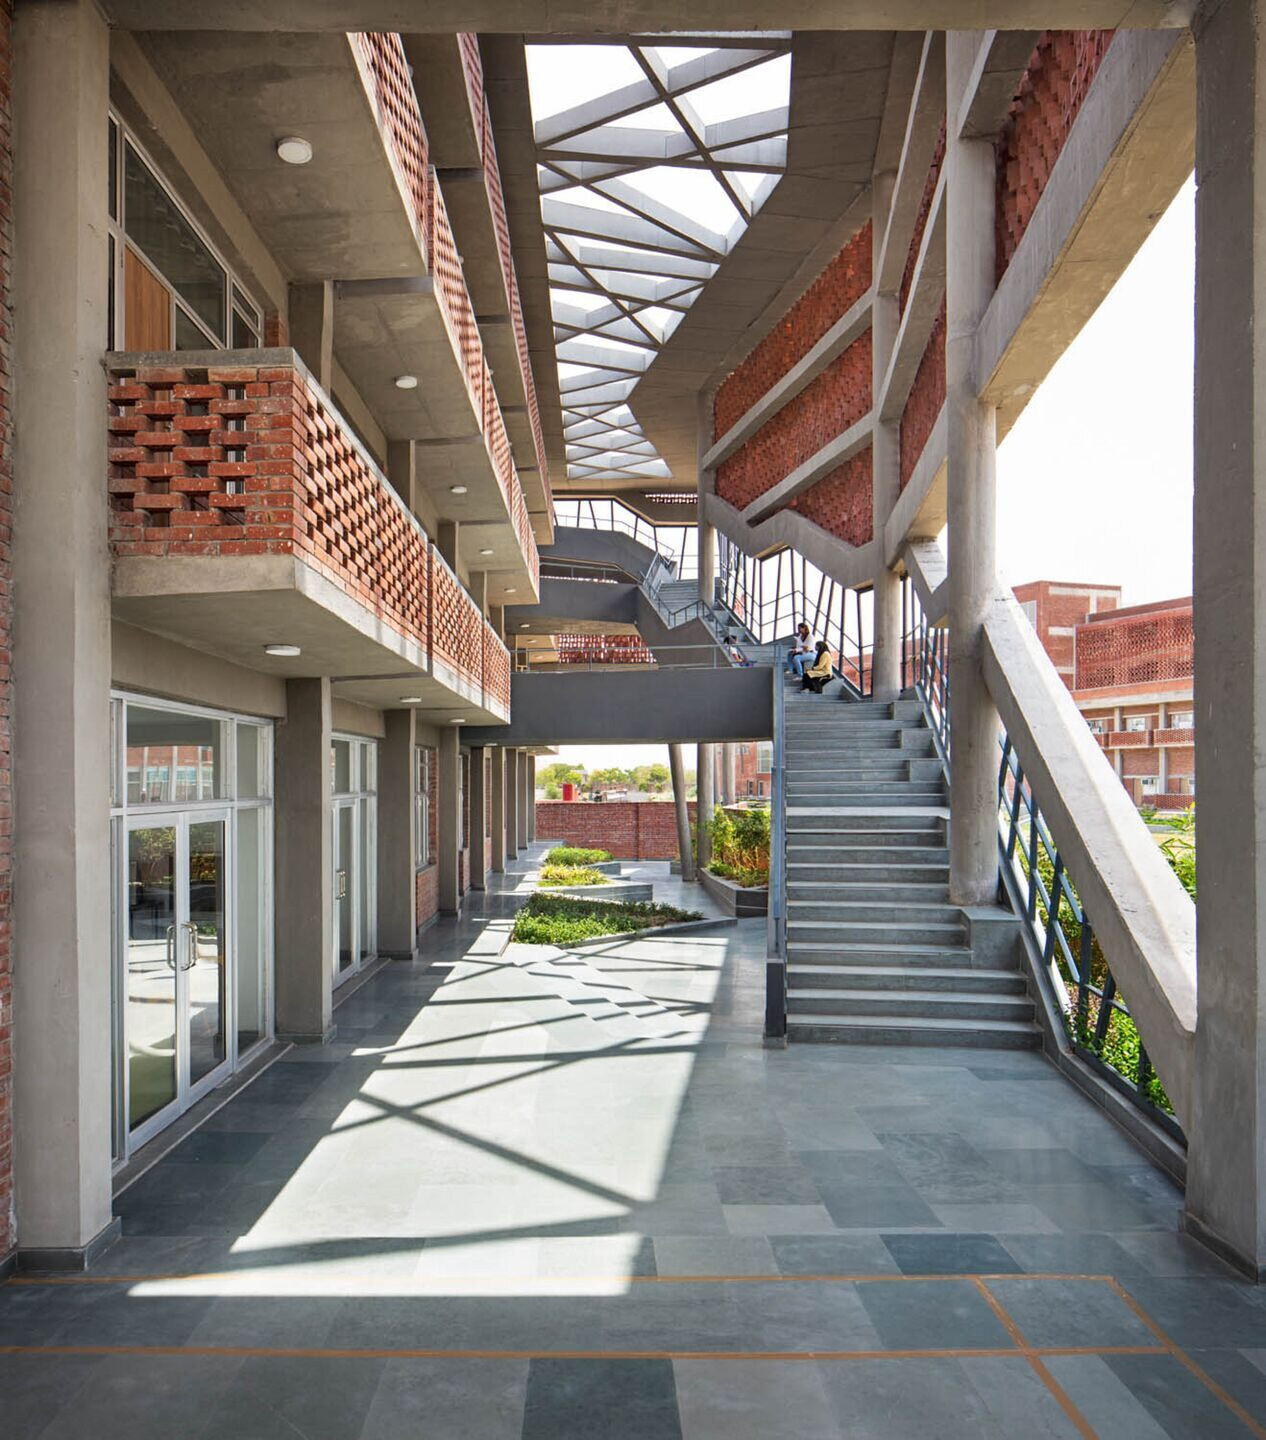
653	154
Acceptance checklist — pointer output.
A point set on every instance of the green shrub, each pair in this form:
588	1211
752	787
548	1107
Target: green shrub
563	920
576	855
1180	848
572	875
740	845
752	879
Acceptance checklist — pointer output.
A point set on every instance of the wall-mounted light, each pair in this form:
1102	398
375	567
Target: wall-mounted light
294	150
286	651
406	382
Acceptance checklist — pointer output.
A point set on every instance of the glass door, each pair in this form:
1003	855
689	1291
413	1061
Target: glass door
176	986
345	887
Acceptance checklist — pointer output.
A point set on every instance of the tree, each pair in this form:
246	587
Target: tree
561	773
613	775
652	779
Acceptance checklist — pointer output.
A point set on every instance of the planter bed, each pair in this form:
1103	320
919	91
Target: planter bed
735	899
616	890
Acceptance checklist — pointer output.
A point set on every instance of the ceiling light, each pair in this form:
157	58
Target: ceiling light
524	624
282	650
512	589
457	489
457	722
485	552
294	150
410	699
406	382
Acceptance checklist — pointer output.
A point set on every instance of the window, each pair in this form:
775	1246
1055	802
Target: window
1181	719
422	807
764	756
1136	724
173	289
1148	784
1099	726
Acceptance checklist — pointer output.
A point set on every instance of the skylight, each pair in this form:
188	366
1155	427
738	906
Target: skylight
653	156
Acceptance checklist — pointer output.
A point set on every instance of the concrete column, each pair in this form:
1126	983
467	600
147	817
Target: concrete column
61	655
705	775
497	619
885	469
478	816
446	541
729	786
677	768
707	561
397	842
312	328
971	171
402	469
498	783
450	820
512	804
1226	1169
531	791
525	799
304	906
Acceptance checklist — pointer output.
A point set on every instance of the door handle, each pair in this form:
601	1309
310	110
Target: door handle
192	930
171	947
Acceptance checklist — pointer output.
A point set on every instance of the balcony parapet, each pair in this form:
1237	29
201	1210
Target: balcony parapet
1126	739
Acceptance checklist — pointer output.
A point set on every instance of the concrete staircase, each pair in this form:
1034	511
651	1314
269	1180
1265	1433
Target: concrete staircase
875	951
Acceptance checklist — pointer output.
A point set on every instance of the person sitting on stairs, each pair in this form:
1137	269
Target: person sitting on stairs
801	653
821	672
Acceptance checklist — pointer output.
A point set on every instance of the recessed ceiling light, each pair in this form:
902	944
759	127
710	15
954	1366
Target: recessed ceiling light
457	722
410	699
294	150
524	624
457	489
512	589
485	552
406	382
285	650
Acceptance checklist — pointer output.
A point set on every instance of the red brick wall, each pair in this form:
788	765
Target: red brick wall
8	1233
844	281
1049	97
456	624
838	398
841	502
924	402
629	829
1156	645
1063	607
921	220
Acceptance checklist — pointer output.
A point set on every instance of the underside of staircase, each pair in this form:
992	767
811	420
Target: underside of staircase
876	953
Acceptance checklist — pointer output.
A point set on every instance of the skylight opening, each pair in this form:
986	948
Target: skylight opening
764	87
560	77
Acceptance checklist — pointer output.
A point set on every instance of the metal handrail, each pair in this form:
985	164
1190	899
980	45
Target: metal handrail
776	924
712	657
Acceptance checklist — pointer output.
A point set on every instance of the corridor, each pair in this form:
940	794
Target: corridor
576	1199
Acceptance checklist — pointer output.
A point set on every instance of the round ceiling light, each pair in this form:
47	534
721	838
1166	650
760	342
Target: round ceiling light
512	589
406	382
286	651
457	489
294	150
410	699
457	722
485	552
524	624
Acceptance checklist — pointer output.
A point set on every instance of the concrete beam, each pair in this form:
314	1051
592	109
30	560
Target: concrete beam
922	306
922	508
1002	57
848	565
923	124
615	707
925	565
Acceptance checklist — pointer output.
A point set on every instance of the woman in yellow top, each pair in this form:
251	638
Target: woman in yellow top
820	673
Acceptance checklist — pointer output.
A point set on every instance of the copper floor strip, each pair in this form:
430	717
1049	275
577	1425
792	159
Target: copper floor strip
1179	1354
1057	1391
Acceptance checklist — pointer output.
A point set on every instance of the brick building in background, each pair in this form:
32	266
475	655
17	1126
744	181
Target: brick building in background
1130	671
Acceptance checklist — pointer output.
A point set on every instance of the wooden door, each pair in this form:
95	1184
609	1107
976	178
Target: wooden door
146	306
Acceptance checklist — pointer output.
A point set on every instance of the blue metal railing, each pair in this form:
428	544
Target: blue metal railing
776	931
1033	879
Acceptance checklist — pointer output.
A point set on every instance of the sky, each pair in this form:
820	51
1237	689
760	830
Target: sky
1095	478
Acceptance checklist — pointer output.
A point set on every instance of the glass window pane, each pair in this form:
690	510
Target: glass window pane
190	336
112	168
249	770
172	757
151	972
245	337
341	766
252	953
152	219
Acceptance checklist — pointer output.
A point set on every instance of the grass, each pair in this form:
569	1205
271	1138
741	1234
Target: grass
555	875
741	875
561	920
576	855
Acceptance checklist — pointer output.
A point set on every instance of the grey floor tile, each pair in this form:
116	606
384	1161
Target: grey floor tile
932	1315
455	1399
778	1219
803	1315
1206	1314
858	1253
1183	1407
729	1400
765	1185
1070	1312
1048	1165
134	1395
870	1207
950	1254
714	1255
317	1399
601	1400
1060	1254
1103	1398
1093	1205
34	1389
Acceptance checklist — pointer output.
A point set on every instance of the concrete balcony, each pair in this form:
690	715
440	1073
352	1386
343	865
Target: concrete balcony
1125	739
1183	735
367	216
245	513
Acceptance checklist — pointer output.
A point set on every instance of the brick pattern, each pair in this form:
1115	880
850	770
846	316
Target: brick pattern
472	67
1050	95
841	503
400	120
1132	649
457	628
838	398
836	290
629	829
602	650
921	220
496	671
252	460
924	402
1057	609
8	1226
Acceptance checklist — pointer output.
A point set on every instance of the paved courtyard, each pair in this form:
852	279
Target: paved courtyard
572	1197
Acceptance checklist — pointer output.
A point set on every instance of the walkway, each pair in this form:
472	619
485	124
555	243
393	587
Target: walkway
502	1207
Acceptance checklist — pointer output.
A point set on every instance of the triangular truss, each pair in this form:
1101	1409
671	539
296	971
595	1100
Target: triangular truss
666	149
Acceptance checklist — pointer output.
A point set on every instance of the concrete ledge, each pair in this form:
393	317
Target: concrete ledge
735	899
846	564
820	464
678	927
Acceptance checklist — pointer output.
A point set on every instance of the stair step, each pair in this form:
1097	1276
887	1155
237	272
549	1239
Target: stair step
913	1030
922	1004
866	892
805	972
880	951
857	874
853	932
896	912
809	819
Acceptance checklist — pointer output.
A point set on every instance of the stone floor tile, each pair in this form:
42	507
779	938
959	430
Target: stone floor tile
601	1400
932	1315
1176	1399
856	1253
949	1253
729	1400
1070	1313
714	1255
